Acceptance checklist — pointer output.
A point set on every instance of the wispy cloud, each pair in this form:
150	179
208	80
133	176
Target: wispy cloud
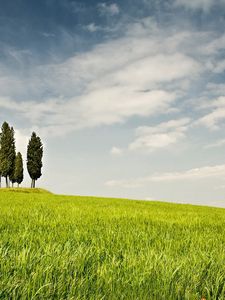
215	89
216	116
92	27
188	175
204	5
217	144
160	136
116	151
145	72
48	34
111	9
130	76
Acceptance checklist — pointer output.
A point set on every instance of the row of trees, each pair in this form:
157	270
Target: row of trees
11	163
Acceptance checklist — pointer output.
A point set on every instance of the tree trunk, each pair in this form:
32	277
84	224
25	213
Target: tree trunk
18	185
6	181
33	183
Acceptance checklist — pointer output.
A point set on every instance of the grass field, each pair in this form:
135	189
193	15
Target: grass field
64	247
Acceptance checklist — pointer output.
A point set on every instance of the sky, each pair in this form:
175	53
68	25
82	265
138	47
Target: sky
127	96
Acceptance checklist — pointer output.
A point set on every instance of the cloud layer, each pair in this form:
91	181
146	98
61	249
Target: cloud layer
204	5
143	73
201	173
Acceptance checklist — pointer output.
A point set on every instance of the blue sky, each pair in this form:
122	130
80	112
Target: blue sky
128	96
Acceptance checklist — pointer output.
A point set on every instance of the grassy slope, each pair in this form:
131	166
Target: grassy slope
61	247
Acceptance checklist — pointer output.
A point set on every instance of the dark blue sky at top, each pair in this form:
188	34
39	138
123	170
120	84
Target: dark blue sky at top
55	29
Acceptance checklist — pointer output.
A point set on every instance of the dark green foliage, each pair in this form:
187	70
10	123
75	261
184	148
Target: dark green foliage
7	152
18	173
34	158
12	173
11	165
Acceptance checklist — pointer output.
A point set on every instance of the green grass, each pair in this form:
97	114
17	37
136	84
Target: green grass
64	247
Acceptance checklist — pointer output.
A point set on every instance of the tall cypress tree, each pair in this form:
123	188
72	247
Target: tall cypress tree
7	151
34	158
12	172
18	173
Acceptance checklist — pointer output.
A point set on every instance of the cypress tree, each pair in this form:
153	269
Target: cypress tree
18	173
34	158
12	172
7	151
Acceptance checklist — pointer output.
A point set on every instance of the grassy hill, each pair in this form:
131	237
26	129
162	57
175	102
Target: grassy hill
68	247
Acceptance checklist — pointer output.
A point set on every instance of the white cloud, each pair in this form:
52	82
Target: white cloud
160	136
116	151
92	27
134	183
156	68
213	119
48	34
220	66
116	104
216	144
192	174
111	9
214	46
201	173
216	89
98	107
205	5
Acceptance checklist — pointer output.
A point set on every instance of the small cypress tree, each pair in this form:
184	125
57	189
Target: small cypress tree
34	158
7	151
18	173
